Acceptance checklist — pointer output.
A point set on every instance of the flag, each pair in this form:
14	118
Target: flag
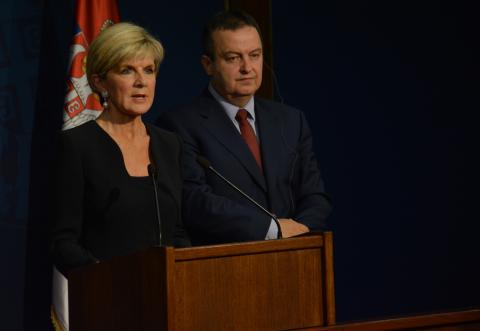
81	105
92	16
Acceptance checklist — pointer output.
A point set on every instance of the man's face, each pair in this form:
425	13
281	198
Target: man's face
236	70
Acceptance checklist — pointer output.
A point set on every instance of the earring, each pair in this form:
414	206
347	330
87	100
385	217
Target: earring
105	99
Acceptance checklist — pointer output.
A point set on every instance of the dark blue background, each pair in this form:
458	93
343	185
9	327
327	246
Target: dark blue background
390	91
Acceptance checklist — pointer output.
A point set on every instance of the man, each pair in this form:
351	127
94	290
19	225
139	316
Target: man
264	148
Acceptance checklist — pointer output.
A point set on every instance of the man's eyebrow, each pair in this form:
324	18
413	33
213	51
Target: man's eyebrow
230	52
239	53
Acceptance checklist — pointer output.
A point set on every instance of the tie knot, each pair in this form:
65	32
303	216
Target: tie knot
242	115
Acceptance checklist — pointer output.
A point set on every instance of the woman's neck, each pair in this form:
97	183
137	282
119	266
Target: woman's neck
122	126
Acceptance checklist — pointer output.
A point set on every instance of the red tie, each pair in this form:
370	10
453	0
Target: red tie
248	135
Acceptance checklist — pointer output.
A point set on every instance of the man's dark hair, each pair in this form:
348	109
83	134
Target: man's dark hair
226	20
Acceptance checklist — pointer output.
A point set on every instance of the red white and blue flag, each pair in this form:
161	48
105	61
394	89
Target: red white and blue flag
81	105
92	16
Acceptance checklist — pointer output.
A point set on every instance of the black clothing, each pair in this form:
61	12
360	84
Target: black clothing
104	212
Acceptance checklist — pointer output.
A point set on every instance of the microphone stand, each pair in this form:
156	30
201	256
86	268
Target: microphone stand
153	174
206	164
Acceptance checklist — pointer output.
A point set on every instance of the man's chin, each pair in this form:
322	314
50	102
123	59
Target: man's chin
242	95
246	92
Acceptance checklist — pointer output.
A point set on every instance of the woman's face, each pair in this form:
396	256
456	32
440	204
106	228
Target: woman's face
130	86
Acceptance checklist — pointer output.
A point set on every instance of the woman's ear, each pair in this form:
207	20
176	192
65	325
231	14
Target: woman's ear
98	83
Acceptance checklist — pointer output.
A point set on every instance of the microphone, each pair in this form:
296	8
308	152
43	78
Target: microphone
153	174
207	165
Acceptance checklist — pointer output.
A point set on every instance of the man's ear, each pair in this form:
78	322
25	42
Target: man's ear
207	64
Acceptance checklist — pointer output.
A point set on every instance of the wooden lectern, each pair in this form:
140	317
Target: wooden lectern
263	285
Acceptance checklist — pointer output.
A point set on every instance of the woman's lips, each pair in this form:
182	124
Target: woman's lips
139	97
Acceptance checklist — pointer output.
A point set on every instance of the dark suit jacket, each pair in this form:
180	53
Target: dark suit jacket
101	211
290	187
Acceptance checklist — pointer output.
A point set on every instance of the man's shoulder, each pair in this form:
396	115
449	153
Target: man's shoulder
188	108
277	107
188	112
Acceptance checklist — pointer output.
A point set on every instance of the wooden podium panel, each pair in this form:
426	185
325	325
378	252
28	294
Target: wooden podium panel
258	285
264	285
126	293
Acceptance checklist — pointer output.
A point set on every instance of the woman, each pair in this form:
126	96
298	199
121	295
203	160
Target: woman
106	202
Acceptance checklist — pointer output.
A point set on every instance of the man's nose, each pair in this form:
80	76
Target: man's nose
246	65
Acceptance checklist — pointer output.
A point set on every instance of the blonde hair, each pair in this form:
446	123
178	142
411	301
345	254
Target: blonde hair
117	43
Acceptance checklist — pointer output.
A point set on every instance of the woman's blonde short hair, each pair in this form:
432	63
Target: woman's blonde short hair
118	43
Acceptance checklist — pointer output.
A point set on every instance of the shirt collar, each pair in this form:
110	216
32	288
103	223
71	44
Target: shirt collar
230	109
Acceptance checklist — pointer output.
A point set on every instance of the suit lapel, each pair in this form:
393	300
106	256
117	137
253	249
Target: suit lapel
219	125
269	126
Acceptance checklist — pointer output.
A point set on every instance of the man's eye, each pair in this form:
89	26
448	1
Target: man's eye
232	59
255	55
